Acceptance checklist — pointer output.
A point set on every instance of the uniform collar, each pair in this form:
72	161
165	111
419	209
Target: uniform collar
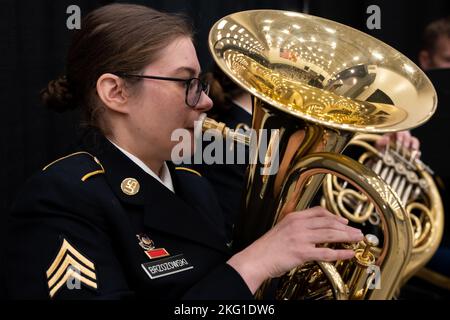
163	210
165	178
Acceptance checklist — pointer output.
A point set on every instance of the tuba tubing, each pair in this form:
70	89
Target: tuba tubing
301	181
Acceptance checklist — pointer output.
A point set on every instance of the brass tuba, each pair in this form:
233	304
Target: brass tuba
315	83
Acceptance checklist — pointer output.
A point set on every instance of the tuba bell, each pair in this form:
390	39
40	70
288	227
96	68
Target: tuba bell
315	84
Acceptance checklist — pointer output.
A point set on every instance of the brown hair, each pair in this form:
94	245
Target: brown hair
114	38
433	31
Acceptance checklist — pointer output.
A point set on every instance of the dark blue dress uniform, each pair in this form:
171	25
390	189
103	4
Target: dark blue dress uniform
95	225
228	179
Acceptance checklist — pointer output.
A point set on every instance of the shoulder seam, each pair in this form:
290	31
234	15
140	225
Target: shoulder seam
188	170
65	157
86	176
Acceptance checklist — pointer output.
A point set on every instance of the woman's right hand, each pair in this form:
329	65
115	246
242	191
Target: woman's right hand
292	242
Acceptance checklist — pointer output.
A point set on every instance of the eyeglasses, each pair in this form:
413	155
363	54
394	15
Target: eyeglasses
194	86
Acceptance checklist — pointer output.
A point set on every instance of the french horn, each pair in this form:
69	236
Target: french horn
410	178
315	84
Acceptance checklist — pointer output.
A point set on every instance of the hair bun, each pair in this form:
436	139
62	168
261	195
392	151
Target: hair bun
57	96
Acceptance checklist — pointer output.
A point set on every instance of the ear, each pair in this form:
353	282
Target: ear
112	91
424	60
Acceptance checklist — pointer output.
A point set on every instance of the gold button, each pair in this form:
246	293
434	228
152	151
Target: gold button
130	186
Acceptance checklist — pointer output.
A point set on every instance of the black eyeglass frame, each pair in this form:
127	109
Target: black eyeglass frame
204	85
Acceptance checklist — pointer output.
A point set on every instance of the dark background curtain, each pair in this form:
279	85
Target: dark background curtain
34	40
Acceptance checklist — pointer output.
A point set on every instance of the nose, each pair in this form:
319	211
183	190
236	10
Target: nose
204	104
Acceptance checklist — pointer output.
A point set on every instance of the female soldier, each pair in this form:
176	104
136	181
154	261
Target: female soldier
116	218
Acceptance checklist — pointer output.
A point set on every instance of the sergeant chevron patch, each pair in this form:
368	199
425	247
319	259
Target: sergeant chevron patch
70	264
